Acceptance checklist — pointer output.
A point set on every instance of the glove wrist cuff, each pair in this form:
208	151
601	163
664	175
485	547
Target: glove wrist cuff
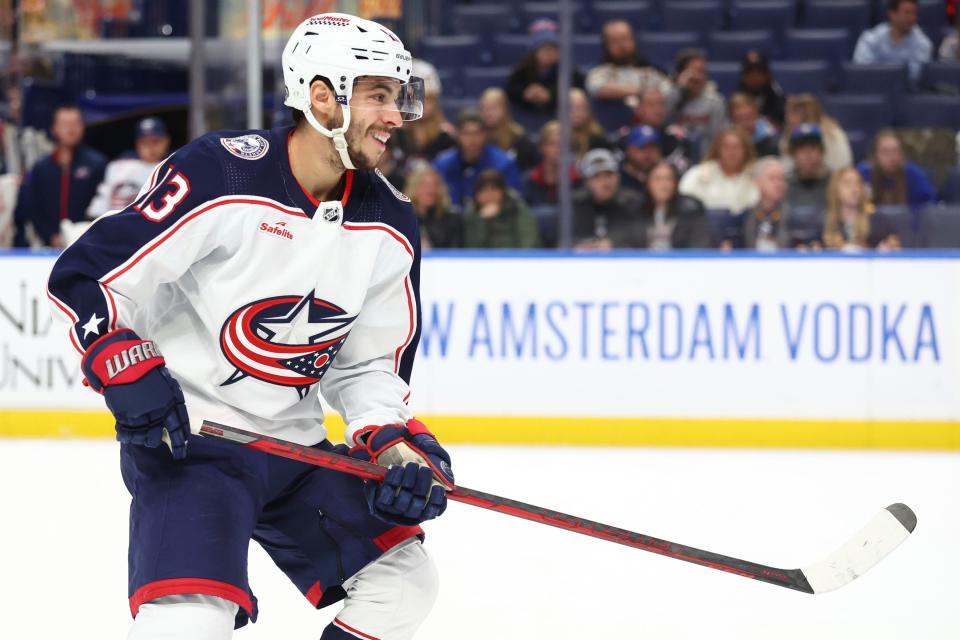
119	357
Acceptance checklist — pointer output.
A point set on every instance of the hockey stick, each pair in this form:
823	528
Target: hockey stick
874	542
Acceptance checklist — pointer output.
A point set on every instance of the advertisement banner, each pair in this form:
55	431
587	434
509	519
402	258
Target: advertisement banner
636	337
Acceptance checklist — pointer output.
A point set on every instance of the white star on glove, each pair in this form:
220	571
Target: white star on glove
92	326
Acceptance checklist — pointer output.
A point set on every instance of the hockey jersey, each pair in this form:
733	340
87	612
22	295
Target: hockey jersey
259	297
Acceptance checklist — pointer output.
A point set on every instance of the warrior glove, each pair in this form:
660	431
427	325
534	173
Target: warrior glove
419	474
145	400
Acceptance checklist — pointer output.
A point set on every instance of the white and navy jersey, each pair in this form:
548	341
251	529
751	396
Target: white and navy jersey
259	297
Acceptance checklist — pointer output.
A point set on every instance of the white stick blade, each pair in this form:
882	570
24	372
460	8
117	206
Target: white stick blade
872	544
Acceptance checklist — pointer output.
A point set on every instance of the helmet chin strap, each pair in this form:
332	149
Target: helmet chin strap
337	135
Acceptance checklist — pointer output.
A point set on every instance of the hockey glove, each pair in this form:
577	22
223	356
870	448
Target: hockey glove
144	398
418	477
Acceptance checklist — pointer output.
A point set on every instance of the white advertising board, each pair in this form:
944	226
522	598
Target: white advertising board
629	335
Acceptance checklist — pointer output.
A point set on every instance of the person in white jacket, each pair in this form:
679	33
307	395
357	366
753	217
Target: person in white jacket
125	175
722	180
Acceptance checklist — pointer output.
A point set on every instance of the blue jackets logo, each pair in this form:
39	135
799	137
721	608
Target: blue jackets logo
249	147
288	341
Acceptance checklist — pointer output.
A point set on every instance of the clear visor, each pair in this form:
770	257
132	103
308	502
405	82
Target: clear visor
389	94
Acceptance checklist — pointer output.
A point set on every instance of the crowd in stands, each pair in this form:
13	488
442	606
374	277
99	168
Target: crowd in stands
661	158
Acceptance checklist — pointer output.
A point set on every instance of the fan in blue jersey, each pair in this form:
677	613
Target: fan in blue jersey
255	273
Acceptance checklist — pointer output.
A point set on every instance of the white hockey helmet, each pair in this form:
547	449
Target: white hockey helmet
343	48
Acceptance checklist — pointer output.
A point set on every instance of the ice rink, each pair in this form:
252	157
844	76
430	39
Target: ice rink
63	546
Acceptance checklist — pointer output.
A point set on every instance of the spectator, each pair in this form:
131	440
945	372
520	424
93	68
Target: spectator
541	183
745	116
532	85
848	224
461	165
892	178
61	185
441	224
766	225
675	145
757	82
950	47
641	155
429	136
604	215
22	145
496	217
671	220
623	73
897	41
723	181
807	180
586	132
805	107
503	131
126	175
694	102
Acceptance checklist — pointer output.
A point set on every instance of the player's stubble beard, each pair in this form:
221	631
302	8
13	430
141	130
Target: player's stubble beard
355	139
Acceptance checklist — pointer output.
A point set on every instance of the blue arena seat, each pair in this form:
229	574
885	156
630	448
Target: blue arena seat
950	187
689	15
831	14
778	16
888	79
483	20
508	48
864	112
587	50
724	226
832	45
530	11
478	79
859	144
900	220
612	114
932	111
451	51
938	75
547	219
805	225
931	16
732	45
801	76
661	47
452	107
939	227
725	74
641	14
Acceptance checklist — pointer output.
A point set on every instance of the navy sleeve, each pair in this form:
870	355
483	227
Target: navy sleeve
87	279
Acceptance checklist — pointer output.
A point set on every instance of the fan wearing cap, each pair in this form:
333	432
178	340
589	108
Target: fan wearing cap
641	154
604	215
532	84
125	175
808	178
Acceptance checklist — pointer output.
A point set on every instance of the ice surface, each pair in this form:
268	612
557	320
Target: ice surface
63	546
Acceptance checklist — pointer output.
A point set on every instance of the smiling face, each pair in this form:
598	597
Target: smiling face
373	116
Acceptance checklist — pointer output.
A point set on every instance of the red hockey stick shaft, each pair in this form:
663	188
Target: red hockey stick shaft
789	578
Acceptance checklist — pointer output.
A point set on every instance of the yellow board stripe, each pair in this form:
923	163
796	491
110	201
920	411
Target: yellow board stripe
532	430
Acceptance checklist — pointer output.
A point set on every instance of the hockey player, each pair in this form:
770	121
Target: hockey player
255	272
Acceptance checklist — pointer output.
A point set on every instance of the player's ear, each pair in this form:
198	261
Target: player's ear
323	101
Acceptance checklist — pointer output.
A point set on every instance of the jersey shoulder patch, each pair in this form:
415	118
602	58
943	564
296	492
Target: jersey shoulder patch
396	192
251	146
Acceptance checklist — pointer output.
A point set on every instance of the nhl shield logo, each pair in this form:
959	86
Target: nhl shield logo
331	212
249	147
